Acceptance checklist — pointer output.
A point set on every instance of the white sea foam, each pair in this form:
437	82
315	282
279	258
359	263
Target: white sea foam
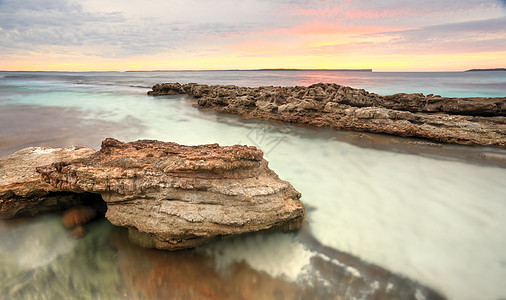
280	255
37	243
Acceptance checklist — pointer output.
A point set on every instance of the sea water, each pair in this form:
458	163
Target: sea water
438	220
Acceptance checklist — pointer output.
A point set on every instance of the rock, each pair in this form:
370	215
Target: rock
78	216
78	232
469	121
75	219
22	191
172	196
168	89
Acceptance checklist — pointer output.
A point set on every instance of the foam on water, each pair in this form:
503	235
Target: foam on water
278	254
35	244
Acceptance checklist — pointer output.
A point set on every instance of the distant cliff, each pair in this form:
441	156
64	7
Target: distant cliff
481	70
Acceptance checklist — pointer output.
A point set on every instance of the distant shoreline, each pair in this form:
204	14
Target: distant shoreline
254	70
485	70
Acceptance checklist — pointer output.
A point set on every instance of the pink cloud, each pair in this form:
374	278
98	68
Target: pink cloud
377	14
344	10
320	27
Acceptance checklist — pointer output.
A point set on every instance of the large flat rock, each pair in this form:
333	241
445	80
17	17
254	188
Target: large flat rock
172	196
22	190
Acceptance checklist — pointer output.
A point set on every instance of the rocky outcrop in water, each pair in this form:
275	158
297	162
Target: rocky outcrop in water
172	197
470	121
24	193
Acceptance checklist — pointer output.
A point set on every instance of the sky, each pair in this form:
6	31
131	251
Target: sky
383	35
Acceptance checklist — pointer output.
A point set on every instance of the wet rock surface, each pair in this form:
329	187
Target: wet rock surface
77	217
469	121
172	196
24	193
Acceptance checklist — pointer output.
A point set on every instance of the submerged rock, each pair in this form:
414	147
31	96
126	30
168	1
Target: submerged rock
78	232
75	219
22	190
78	216
172	196
470	121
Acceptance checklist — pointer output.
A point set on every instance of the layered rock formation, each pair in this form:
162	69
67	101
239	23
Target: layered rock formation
172	196
22	192
470	121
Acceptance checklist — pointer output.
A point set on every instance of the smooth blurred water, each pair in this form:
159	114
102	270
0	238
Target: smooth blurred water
448	84
440	222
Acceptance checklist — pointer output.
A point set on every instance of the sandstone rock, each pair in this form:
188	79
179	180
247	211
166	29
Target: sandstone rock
78	232
22	191
78	216
75	219
172	196
470	121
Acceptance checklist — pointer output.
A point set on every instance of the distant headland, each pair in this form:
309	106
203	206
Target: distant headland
481	70
340	70
249	70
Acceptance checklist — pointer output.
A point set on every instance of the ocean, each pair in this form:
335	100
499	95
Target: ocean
388	213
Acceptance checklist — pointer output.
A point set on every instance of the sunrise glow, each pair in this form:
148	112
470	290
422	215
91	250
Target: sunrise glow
119	36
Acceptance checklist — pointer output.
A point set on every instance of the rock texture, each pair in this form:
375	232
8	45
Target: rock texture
172	196
470	121
22	190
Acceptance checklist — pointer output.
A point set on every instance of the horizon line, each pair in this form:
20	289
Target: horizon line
261	69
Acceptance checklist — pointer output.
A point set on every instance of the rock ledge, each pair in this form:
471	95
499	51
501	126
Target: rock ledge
468	121
173	197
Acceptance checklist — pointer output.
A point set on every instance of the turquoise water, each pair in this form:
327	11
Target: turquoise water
449	84
440	221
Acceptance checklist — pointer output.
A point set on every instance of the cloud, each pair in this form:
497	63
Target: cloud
473	36
28	25
464	37
202	28
503	3
118	29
